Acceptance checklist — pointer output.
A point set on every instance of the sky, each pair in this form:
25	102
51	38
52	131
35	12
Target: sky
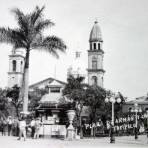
124	27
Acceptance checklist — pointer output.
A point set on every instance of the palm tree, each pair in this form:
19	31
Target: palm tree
29	36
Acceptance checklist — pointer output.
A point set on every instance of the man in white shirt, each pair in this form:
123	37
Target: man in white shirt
9	125
37	128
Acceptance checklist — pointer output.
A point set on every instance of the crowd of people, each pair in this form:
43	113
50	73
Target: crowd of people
20	127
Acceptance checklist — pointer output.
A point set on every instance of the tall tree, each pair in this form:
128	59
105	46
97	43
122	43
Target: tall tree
29	36
13	94
4	105
95	101
75	90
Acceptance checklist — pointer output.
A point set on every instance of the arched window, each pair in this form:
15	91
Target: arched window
94	46
14	65
98	46
21	66
94	63
102	80
94	80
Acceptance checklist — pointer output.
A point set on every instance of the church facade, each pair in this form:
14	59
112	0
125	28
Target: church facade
95	70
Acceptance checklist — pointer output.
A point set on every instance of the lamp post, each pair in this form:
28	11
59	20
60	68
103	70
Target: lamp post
113	98
136	110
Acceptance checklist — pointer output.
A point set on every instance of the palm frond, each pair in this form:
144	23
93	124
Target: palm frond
5	35
13	37
36	14
53	42
50	44
42	24
22	20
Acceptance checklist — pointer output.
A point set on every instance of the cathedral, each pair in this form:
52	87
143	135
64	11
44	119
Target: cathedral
95	71
51	112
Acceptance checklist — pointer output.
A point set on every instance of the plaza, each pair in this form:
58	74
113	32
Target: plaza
95	95
125	141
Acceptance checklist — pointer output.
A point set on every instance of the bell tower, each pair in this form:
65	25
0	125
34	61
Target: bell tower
16	66
95	57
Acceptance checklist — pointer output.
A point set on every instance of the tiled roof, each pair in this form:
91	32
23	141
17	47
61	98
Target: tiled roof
48	80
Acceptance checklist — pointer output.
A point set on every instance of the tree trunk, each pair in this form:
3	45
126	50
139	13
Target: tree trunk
80	124
25	103
17	111
26	83
94	121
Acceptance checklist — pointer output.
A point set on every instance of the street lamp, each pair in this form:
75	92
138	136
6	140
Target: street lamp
136	110
113	98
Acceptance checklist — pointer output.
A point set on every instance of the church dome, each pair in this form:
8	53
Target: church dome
95	34
77	66
18	51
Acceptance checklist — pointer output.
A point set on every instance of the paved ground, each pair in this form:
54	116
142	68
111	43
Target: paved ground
127	141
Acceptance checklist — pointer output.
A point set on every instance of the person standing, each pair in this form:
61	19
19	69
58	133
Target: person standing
15	127
9	125
22	128
3	126
32	124
37	128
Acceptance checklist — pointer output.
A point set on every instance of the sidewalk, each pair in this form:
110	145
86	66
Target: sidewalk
126	141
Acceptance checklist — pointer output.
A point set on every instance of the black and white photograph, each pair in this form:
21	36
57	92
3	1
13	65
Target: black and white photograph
73	73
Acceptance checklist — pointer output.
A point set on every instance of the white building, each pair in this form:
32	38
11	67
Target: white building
95	57
16	66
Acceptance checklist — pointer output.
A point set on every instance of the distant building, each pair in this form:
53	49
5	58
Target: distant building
141	101
54	83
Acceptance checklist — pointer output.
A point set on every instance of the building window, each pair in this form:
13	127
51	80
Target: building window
55	90
94	80
22	66
98	46
94	63
94	46
14	65
102	80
